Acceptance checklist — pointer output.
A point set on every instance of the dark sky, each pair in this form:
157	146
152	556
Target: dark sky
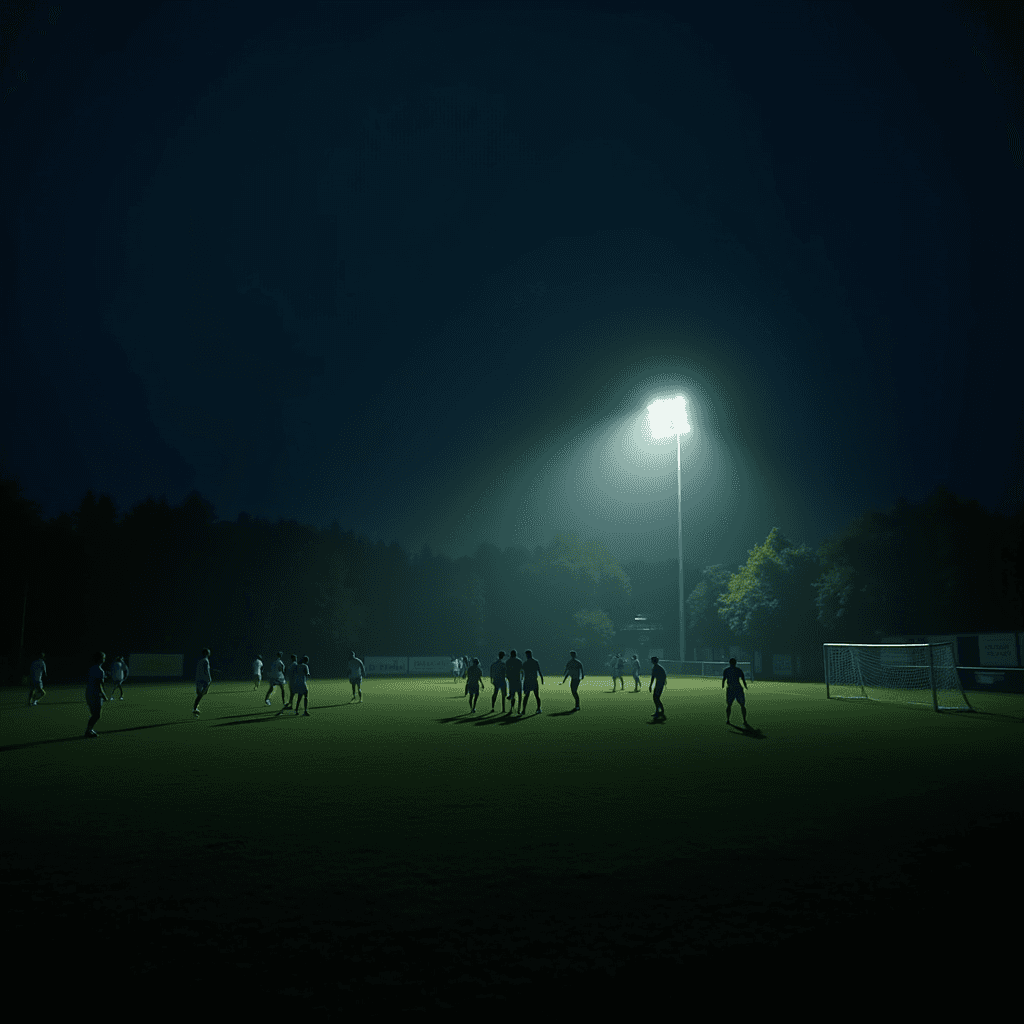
420	270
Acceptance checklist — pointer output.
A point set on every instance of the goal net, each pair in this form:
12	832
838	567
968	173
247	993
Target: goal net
906	673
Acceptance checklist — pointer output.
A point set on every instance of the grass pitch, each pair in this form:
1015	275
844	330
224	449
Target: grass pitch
402	852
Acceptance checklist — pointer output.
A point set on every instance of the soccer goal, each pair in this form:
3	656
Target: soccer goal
906	673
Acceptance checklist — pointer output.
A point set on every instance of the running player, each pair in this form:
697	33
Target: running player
498	680
531	670
257	672
514	675
300	691
473	676
734	682
94	695
203	679
37	679
658	680
636	674
356	671
289	676
275	677
118	674
574	673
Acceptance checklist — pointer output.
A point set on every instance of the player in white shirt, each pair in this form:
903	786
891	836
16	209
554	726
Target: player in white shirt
456	668
356	671
203	679
37	679
275	676
257	672
636	674
299	688
118	674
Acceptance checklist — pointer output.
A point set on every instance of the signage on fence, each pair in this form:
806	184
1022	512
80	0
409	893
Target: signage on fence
997	650
386	665
430	666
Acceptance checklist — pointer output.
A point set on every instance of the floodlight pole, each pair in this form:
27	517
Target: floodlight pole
682	592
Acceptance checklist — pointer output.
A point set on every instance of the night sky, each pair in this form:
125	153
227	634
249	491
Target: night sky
418	269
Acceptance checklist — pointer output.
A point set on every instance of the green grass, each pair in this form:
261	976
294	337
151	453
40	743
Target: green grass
403	850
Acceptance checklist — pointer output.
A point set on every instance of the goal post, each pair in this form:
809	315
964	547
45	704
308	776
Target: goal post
905	673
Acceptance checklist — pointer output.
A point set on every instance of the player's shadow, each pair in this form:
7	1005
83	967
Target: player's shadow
463	718
562	714
748	731
493	718
516	719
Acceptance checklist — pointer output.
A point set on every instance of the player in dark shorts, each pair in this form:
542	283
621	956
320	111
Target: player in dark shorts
574	673
514	675
94	695
531	671
734	682
658	680
473	676
498	680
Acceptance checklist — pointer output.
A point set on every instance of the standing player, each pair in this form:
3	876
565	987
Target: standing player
618	669
94	695
514	675
257	672
473	676
300	691
734	682
356	671
456	669
574	673
203	679
658	680
531	670
289	675
118	674
37	679
636	674
498	680
275	677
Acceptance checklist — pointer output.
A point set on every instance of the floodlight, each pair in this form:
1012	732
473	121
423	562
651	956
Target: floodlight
667	417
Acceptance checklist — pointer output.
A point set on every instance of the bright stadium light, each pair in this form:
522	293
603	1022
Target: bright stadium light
667	416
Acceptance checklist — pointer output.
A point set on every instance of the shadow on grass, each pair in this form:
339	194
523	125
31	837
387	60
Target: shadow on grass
79	736
748	731
561	714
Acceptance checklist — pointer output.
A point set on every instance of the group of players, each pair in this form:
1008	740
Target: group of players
515	679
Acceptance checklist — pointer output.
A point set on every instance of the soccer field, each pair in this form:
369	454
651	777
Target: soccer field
403	850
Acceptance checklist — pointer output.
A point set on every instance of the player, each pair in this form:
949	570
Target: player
289	675
574	673
734	682
300	691
473	676
275	677
514	675
636	674
531	670
257	672
118	674
37	679
356	671
203	679
658	680
618	667
94	695
456	669
498	680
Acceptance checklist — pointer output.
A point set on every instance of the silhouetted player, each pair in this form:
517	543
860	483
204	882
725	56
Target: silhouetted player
356	671
531	670
658	680
734	682
618	667
574	673
94	695
473	676
37	674
498	680
300	691
514	675
118	674
203	679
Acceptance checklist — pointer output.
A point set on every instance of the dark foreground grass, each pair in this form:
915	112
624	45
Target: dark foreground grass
403	854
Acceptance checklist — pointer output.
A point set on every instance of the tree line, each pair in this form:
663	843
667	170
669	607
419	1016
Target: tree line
173	579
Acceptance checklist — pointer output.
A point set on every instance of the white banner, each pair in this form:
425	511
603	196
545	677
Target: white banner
156	665
428	666
382	665
997	649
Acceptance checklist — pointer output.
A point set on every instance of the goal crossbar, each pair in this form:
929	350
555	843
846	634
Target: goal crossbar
905	673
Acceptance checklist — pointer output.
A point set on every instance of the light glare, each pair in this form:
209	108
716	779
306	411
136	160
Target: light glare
667	417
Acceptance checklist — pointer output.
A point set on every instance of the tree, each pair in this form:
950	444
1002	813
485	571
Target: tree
769	601
707	627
